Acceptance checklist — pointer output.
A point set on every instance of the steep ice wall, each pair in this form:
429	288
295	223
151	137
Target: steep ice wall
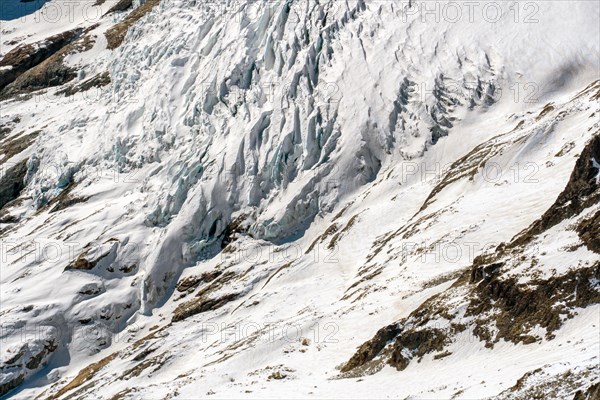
270	114
282	108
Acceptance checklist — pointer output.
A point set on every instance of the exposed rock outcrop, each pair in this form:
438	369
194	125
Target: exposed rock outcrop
580	193
499	306
24	57
12	182
116	34
96	81
200	305
26	360
122	5
52	71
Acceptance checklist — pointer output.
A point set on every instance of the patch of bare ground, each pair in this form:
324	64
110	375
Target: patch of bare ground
16	145
116	34
333	243
442	279
371	349
85	263
200	305
85	375
516	310
99	80
593	90
592	393
405	232
539	384
155	363
7	127
123	394
362	280
328	232
232	231
4	131
580	193
190	283
547	109
122	5
83	381
51	71
284	266
12	183
27	56
342	211
467	166
567	147
11	384
589	232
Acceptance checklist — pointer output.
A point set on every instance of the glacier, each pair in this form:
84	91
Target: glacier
241	193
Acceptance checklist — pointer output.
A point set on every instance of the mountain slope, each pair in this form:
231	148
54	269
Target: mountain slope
228	199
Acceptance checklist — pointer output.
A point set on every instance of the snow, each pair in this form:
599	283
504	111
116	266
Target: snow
597	166
290	117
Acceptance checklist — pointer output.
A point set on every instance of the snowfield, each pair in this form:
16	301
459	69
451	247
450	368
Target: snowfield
300	198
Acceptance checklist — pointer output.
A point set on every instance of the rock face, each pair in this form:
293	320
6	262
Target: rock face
580	193
593	392
97	81
371	349
542	303
52	71
12	183
25	361
499	306
24	57
116	34
200	305
120	6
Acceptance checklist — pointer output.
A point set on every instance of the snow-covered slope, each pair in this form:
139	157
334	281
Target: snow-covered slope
232	199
